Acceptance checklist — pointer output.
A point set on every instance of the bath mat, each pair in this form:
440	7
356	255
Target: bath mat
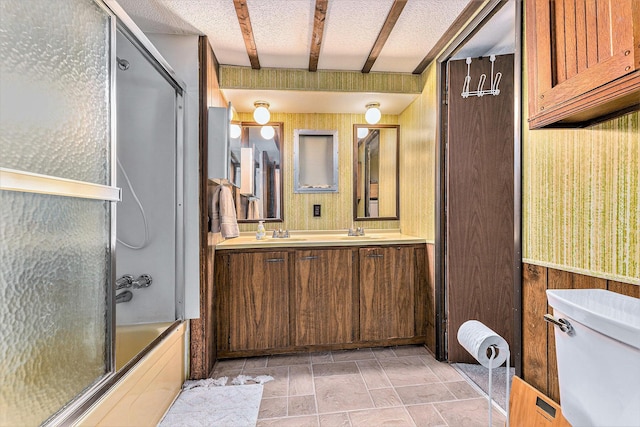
232	406
480	376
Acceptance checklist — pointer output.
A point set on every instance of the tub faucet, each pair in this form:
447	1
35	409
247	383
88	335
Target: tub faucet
124	282
124	296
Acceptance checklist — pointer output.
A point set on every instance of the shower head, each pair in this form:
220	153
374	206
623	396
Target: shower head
123	64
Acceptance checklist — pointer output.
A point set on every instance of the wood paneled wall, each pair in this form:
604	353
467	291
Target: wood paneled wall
539	366
202	335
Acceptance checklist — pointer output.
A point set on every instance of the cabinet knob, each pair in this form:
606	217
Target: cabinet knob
627	68
627	52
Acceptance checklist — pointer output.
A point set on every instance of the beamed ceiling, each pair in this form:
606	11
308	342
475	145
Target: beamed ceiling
389	36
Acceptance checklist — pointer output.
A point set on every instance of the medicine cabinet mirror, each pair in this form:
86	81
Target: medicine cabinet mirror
259	196
375	164
315	161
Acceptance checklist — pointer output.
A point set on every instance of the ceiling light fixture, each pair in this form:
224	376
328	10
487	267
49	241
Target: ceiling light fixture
267	132
261	114
373	115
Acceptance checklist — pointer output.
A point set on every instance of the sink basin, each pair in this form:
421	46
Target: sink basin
283	239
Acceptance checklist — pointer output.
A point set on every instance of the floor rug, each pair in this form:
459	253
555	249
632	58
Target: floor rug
480	375
228	406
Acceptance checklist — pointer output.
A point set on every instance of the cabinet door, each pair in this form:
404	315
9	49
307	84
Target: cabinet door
387	293
258	301
574	48
323	297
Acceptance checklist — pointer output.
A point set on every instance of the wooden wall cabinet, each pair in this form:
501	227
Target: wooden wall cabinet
252	301
297	299
583	60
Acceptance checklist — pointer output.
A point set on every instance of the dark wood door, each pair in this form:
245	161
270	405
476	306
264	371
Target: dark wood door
323	297
387	293
258	301
479	252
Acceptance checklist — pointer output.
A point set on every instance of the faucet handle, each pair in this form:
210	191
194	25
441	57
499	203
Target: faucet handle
124	282
275	233
286	233
144	281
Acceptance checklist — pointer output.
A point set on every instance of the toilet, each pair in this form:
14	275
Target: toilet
598	356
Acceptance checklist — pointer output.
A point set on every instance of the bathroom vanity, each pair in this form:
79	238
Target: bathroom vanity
318	292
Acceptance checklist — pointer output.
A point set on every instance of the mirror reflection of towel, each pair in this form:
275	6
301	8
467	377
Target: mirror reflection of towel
254	209
223	213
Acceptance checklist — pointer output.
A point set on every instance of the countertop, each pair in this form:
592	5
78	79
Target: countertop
312	238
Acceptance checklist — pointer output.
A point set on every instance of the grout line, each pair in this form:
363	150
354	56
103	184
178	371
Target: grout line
393	387
313	385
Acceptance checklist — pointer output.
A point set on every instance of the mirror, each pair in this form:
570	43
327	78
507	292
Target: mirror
315	161
259	196
376	155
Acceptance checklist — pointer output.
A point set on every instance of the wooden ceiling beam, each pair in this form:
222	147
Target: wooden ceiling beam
389	23
470	10
247	32
316	35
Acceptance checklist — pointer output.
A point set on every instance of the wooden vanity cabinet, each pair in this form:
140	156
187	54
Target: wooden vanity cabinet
322	297
583	60
301	299
387	293
252	301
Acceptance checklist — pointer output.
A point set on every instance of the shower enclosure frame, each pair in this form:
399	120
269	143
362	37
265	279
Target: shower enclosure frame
14	180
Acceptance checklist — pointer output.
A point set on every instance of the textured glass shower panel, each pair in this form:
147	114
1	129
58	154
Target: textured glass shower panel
54	88
54	271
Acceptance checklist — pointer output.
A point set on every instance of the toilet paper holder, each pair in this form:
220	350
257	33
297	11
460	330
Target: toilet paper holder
487	347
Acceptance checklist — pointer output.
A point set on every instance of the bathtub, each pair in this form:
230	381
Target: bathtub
132	339
148	377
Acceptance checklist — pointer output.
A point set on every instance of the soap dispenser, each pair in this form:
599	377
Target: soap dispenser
261	231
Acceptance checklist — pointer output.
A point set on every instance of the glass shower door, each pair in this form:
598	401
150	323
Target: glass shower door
56	203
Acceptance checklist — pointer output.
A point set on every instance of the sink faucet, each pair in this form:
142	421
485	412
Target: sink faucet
356	231
279	234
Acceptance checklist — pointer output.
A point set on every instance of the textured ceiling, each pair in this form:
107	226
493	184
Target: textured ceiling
283	30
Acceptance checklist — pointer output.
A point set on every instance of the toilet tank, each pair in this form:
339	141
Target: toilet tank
599	357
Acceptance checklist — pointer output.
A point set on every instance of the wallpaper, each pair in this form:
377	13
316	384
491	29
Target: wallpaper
418	126
334	81
336	208
581	199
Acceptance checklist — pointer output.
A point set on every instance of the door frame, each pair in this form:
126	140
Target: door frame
441	174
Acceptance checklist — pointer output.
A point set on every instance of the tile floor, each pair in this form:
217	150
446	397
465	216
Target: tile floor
400	386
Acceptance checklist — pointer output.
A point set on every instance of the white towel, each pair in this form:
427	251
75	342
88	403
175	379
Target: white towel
254	210
223	213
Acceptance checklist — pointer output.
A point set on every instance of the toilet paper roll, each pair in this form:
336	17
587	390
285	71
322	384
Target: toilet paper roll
476	338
